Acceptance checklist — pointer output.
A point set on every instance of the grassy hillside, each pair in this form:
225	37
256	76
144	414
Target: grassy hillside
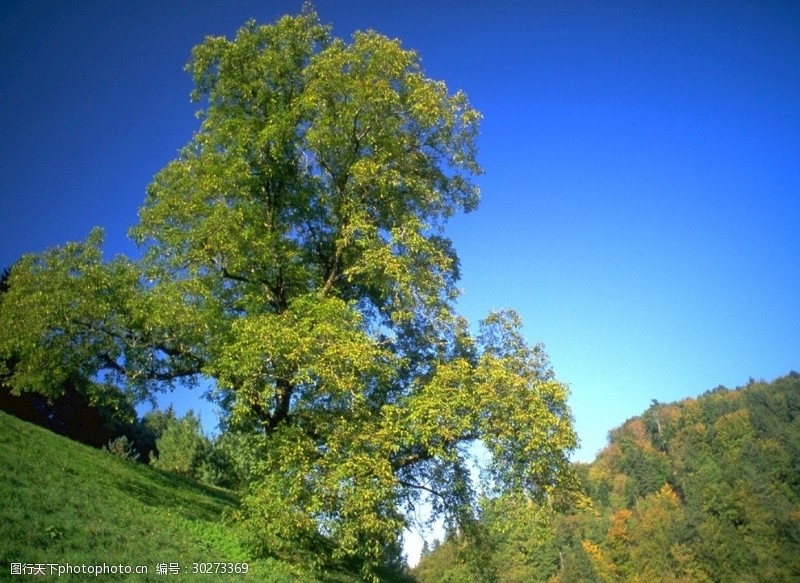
62	502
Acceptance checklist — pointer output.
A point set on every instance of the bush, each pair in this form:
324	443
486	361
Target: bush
123	448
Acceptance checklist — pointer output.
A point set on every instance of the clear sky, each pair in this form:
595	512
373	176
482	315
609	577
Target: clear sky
642	188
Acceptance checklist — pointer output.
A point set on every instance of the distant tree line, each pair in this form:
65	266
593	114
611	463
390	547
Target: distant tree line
703	490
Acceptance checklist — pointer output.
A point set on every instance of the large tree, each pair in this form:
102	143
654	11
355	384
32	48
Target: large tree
294	254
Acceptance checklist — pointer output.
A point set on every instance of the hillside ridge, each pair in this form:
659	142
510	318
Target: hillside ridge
705	489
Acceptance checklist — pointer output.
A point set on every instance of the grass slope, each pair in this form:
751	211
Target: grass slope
62	502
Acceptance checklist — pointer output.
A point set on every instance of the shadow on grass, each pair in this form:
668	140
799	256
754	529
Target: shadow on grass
161	489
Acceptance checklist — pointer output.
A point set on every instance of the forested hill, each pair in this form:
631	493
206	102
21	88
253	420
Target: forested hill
706	489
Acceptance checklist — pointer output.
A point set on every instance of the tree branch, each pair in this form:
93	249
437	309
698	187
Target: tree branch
422	453
420	487
283	398
128	340
244	279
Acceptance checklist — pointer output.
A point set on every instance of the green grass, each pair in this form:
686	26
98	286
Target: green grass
62	502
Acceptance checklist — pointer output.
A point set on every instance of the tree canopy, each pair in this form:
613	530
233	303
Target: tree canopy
294	253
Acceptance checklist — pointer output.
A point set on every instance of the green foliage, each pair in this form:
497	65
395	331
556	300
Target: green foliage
294	254
58	320
4	279
122	448
236	455
445	566
182	447
148	429
724	462
525	545
697	491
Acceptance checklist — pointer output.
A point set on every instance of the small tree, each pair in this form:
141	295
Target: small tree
123	448
182	448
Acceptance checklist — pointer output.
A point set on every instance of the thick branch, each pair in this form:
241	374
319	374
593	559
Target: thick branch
151	375
421	453
412	458
282	401
273	290
332	271
128	339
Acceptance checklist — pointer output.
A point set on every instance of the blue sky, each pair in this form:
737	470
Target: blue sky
642	187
